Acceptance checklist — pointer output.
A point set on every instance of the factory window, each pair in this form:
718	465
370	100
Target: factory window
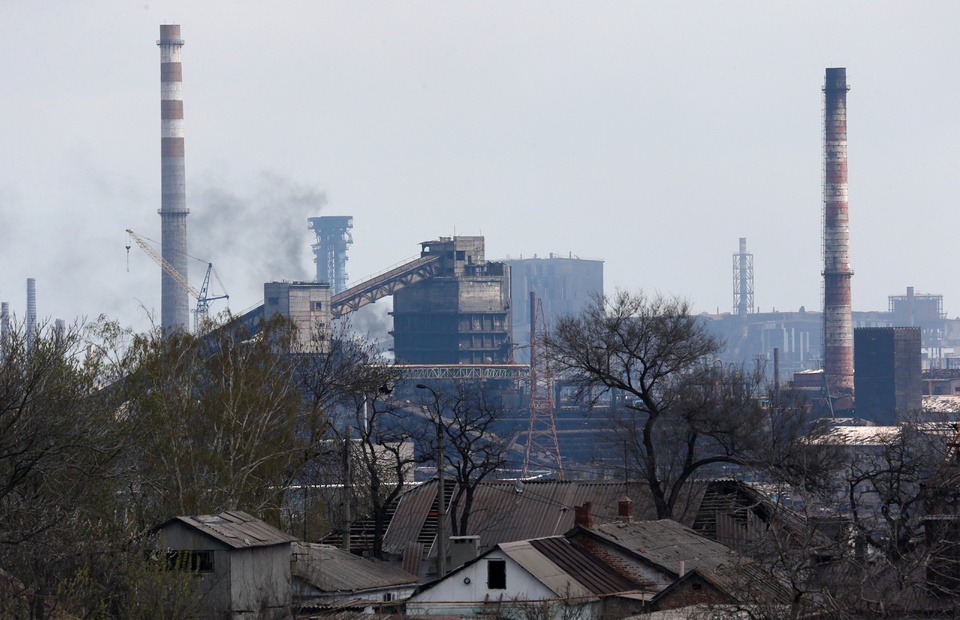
497	574
273	301
461	255
318	305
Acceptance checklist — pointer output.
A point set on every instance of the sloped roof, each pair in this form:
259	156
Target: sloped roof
560	582
235	529
333	570
500	514
666	544
586	568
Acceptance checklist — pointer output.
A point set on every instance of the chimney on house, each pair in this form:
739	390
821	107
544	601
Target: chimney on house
625	509
581	516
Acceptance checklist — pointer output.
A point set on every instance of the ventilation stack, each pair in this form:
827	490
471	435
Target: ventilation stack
31	327
174	302
330	250
743	280
837	274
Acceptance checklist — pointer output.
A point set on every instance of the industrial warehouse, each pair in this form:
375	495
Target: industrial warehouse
521	436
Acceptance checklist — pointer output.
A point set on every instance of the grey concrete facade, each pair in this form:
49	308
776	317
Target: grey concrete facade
459	316
307	304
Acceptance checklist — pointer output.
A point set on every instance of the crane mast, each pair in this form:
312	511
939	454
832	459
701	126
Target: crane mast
203	300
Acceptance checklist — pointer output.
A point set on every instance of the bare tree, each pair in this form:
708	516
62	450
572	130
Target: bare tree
476	442
678	414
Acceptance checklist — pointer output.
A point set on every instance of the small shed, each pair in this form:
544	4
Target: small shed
244	563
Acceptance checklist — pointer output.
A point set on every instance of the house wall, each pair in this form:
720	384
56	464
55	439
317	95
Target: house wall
463	592
260	583
215	586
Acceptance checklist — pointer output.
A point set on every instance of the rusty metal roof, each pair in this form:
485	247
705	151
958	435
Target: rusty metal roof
235	529
586	568
333	570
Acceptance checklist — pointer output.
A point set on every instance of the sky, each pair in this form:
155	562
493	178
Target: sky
650	135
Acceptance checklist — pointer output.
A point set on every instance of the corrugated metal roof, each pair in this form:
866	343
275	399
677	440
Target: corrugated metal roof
333	570
500	514
596	576
236	529
560	582
667	543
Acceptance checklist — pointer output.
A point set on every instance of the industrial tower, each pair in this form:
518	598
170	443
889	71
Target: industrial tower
330	250
174	306
837	274
542	438
743	280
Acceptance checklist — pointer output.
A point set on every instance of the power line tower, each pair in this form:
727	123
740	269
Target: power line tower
542	432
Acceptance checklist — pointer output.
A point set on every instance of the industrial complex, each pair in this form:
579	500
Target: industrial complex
453	308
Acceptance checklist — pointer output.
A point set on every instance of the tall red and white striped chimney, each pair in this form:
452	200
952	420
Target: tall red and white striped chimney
837	310
174	302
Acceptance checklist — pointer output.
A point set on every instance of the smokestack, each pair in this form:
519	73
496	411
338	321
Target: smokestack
31	313
743	280
174	308
4	330
837	318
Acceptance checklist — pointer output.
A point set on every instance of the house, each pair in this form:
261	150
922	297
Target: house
242	562
550	577
609	570
682	567
326	578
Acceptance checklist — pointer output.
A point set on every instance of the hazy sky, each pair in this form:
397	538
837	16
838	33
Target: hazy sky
651	135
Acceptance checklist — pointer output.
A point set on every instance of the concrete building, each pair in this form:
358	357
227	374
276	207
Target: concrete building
459	315
887	372
564	284
243	563
307	304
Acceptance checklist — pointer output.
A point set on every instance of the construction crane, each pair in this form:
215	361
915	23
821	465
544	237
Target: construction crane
202	296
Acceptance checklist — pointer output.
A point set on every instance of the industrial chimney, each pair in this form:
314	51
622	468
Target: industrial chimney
174	307
837	317
31	327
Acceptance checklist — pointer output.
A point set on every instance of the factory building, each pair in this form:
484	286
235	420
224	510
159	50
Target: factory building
459	315
887	372
307	304
564	284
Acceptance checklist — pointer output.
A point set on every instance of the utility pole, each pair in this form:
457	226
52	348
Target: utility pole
441	499
347	493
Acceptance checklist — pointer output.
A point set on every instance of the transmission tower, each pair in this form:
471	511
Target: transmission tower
542	441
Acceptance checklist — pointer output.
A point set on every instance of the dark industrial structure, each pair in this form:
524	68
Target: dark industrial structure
837	310
563	284
743	280
459	315
330	250
887	365
174	307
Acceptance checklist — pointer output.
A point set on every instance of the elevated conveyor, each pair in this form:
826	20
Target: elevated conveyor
383	285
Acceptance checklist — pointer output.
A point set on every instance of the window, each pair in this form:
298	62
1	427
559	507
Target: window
318	305
273	301
190	561
497	574
387	597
